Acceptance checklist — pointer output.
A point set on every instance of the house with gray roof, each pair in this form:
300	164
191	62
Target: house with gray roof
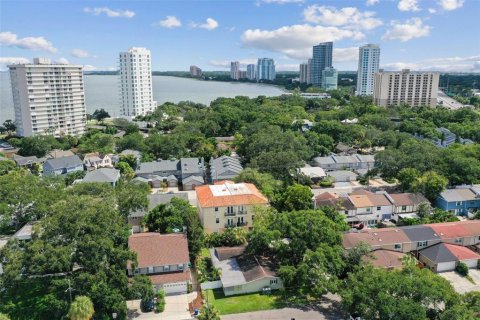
191	182
462	200
342	175
444	257
349	162
60	166
27	161
224	168
103	175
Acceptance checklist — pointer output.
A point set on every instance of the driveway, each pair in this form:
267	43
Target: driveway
176	308
461	284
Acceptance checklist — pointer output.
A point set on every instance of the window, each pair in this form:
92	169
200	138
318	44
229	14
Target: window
180	267
398	246
273	281
217	220
368	209
422	243
166	268
458	240
458	203
404	208
216	209
379	208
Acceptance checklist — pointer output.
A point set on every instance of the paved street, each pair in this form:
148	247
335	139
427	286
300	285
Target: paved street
176	308
461	284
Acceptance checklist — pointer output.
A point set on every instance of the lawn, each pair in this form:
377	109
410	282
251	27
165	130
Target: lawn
241	303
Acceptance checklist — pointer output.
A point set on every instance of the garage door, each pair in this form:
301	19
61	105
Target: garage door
471	263
177	287
446	266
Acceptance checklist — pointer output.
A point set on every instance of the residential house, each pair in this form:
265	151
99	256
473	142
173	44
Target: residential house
97	160
314	173
60	166
461	200
103	175
164	258
405	205
25	232
224	168
387	259
447	138
445	257
27	162
191	182
156	181
135	218
135	153
227	205
342	175
243	273
350	162
59	154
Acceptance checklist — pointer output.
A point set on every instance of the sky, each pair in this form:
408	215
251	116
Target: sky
440	35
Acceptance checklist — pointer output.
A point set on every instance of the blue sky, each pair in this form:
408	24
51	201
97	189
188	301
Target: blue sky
419	34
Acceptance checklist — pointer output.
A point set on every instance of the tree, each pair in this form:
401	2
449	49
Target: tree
125	170
140	288
9	126
462	268
131	196
430	184
267	184
130	159
4	317
6	166
407	177
133	141
296	197
81	309
100	115
208	312
34	146
72	176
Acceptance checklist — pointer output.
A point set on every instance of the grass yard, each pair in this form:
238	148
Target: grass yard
241	303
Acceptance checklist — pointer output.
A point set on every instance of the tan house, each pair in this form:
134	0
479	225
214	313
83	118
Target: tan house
227	204
97	160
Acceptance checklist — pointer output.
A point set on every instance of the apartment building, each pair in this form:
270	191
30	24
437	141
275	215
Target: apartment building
251	72
353	162
265	69
228	204
234	70
48	98
330	78
195	71
368	64
136	82
303	73
321	59
393	88
461	201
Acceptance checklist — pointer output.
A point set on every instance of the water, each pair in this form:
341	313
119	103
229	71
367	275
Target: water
102	92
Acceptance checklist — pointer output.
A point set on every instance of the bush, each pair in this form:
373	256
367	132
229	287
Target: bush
326	183
160	304
462	269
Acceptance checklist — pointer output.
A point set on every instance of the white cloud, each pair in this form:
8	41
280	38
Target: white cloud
451	4
412	28
349	17
296	41
283	1
226	63
432	10
372	2
62	60
79	53
110	12
169	22
10	39
408	5
287	67
443	64
210	24
89	67
5	61
345	54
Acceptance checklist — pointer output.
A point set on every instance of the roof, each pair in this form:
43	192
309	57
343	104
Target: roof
192	179
446	252
451	231
365	157
342	173
191	166
324	160
313	172
132	152
345	159
170	277
340	203
64	162
155	249
59	153
407	199
369	200
421	232
109	175
385	258
458	194
375	237
156	199
225	167
24	161
162	165
229	194
25	232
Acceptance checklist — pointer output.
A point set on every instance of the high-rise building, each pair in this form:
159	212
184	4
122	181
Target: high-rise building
48	98
251	72
234	68
330	78
303	73
322	58
195	71
368	63
309	71
393	88
265	69
242	74
136	82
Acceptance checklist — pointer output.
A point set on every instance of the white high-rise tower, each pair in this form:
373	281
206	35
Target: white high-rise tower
48	98
136	82
368	64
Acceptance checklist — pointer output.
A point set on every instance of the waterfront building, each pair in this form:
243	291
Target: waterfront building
251	72
322	58
242	74
265	69
303	73
393	88
368	63
136	82
309	71
234	70
330	78
48	98
195	71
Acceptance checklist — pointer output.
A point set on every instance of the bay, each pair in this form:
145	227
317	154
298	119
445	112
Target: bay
101	91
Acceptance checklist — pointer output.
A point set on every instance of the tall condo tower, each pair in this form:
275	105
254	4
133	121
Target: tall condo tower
234	70
368	64
322	58
251	72
265	69
136	82
48	98
303	73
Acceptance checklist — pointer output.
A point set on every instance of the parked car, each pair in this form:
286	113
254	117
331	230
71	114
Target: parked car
147	305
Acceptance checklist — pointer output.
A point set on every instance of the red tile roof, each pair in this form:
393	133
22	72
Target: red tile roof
171	277
206	198
449	231
462	253
155	249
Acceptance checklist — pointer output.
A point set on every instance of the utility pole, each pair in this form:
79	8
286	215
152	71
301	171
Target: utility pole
69	290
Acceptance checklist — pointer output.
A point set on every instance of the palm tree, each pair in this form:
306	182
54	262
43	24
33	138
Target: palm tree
81	309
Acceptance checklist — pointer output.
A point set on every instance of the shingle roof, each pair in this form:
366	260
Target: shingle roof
23	161
193	179
109	175
225	167
162	165
407	199
171	277
385	258
229	194
459	194
155	249
446	252
64	162
369	200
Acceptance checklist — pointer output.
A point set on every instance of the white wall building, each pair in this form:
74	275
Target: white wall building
235	70
304	73
251	72
136	82
48	98
265	69
368	63
406	87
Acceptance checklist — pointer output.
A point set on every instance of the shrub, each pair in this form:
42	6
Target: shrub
462	269
160	304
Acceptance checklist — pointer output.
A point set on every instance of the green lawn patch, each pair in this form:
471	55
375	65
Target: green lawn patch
242	303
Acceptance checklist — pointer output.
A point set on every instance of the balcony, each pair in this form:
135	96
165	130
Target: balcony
229	214
235	224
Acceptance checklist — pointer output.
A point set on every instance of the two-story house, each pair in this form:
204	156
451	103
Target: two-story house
460	201
60	166
164	258
352	162
97	160
228	204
